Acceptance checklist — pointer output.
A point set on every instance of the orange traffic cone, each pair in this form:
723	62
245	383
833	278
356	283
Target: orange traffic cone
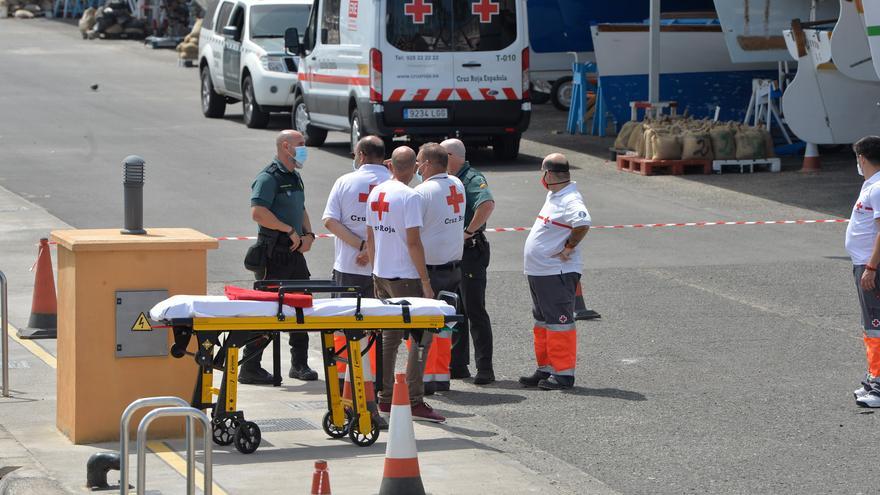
401	457
580	308
321	479
812	162
43	322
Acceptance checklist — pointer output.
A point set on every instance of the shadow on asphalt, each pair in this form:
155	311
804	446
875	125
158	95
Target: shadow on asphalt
344	449
479	398
608	393
466	432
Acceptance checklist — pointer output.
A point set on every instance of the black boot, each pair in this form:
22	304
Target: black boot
255	376
301	371
556	382
532	381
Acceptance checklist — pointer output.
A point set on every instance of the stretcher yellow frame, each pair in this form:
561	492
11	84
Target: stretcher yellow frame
327	325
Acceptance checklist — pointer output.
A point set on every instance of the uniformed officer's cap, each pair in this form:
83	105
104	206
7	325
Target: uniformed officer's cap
556	166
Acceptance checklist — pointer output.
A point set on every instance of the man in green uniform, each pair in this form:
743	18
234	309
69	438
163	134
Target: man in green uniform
278	207
475	260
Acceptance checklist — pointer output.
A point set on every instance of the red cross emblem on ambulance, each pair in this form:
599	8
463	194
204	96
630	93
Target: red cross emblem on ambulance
485	9
380	206
418	10
455	199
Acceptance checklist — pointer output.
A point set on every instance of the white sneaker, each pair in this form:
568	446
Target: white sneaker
871	399
863	390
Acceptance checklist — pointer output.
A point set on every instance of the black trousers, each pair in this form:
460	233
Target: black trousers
474	263
283	265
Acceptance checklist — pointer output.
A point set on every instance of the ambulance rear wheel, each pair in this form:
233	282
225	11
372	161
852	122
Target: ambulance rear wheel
213	103
314	136
332	430
506	147
223	430
248	437
254	116
357	129
561	93
364	439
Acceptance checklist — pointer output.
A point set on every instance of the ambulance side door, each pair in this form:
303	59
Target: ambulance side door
321	67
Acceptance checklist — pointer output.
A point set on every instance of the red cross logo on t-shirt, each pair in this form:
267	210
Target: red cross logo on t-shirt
418	10
380	206
362	197
485	9
455	199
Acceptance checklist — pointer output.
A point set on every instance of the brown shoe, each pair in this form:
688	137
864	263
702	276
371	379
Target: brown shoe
424	412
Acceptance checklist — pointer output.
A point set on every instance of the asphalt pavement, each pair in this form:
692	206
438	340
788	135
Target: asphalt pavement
725	358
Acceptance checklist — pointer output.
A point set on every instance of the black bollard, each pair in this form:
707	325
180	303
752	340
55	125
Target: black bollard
97	468
133	182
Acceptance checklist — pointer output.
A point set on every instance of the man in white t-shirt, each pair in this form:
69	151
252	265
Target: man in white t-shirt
443	211
863	245
394	244
552	263
345	216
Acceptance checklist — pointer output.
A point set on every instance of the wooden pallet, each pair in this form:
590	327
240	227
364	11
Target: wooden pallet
645	166
771	164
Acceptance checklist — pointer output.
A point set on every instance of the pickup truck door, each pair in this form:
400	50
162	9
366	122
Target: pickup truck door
232	52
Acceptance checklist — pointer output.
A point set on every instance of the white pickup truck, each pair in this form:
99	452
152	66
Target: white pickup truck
242	57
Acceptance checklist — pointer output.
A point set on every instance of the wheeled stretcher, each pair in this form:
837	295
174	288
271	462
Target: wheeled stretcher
222	327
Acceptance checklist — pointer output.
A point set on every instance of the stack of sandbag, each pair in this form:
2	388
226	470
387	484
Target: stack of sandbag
25	10
679	138
115	20
188	49
87	21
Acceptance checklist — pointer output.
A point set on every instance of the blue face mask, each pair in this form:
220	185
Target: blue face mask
300	156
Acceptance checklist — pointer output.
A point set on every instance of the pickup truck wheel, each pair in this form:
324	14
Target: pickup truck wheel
254	116
561	93
213	104
506	147
357	129
314	136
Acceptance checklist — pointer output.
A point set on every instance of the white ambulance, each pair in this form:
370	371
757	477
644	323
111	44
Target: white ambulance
423	69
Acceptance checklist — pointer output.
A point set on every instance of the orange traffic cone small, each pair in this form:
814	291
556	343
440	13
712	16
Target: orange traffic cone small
580	308
401	457
812	163
43	322
321	479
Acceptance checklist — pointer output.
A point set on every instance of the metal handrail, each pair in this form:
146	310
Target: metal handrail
4	321
124	440
191	413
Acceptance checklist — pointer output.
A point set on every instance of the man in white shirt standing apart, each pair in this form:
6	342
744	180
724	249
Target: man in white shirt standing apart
553	266
443	210
346	217
394	244
863	245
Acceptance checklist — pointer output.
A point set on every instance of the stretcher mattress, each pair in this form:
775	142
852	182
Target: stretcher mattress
221	307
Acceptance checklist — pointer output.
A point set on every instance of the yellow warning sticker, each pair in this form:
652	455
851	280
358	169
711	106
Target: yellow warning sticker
142	324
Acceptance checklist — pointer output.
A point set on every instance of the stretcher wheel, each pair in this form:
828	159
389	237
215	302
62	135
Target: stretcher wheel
223	430
333	430
248	437
364	439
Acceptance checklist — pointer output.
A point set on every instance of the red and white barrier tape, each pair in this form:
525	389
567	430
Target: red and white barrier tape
628	226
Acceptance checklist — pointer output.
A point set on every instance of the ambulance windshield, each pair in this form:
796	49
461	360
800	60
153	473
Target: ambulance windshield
451	25
270	21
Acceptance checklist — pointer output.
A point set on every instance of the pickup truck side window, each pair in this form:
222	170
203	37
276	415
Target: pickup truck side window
330	22
223	16
237	20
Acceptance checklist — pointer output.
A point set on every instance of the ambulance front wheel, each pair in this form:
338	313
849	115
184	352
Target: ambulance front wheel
314	136
332	430
364	439
506	147
248	438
